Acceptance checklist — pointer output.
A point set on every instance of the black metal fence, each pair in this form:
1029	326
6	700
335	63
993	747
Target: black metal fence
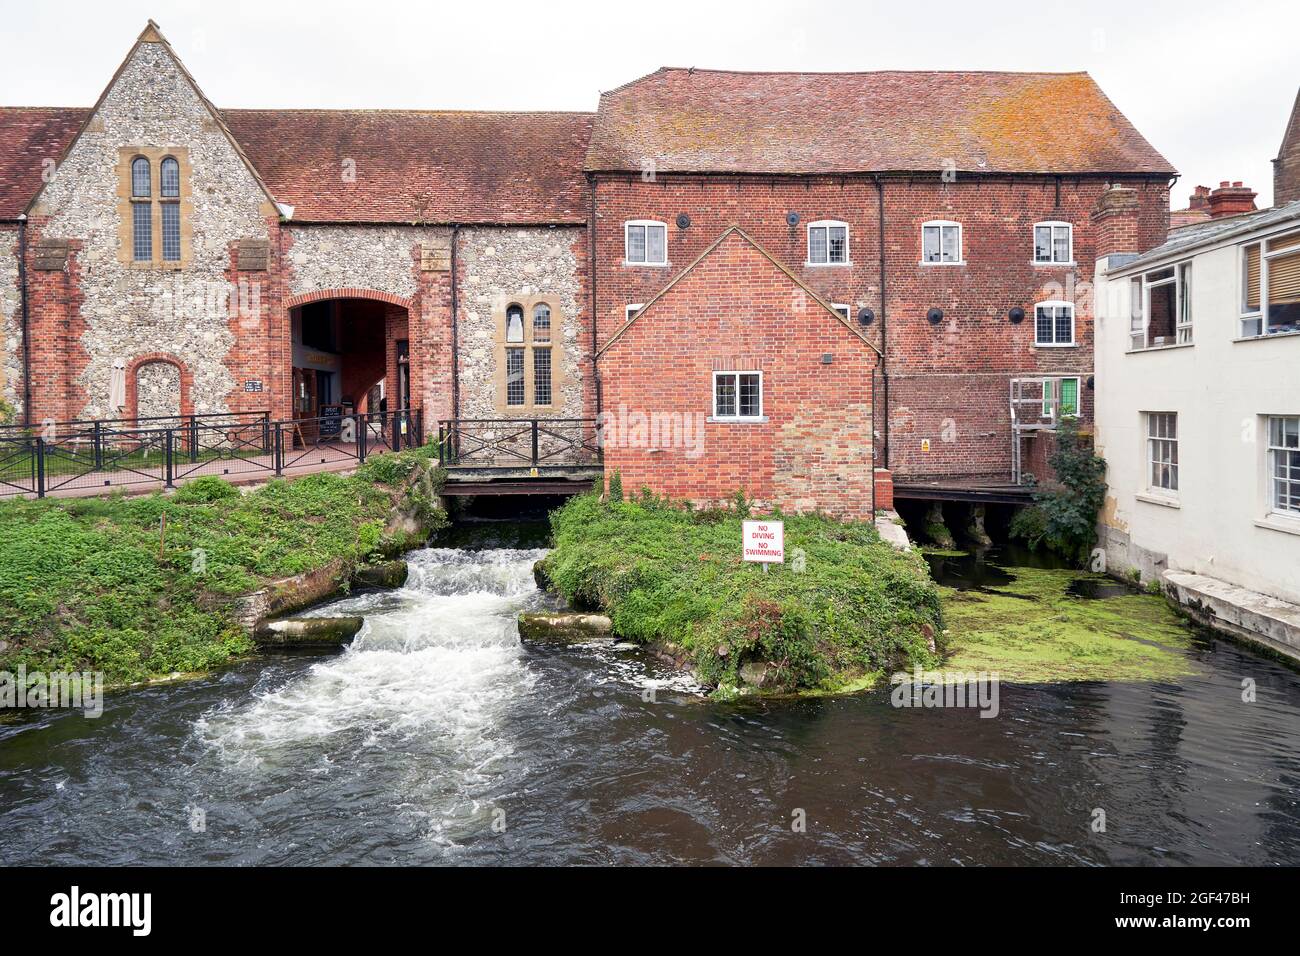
518	442
70	457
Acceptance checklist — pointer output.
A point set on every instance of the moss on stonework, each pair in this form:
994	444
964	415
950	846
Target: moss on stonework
1032	630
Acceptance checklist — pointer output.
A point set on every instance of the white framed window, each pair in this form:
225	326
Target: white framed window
828	243
1053	242
738	396
1161	312
1270	279
645	243
1284	465
1162	452
842	308
1054	323
941	243
632	309
1061	398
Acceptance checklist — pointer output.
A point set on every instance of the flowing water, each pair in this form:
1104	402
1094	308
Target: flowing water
439	738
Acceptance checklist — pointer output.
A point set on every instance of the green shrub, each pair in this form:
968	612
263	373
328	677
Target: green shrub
205	490
1064	515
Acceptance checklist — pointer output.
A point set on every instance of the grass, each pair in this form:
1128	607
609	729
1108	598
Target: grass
1032	630
97	584
666	574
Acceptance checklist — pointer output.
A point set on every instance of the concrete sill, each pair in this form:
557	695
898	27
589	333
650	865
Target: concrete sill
1279	523
647	265
827	265
929	265
1160	348
737	421
1158	500
1266	336
1051	265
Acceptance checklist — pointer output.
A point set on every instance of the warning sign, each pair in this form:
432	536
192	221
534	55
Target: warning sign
764	541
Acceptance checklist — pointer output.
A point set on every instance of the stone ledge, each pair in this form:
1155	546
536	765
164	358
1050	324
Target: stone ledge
1237	611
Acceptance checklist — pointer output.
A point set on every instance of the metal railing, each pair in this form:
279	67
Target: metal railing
72	457
518	442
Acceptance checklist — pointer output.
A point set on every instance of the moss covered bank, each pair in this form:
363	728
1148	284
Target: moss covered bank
844	607
147	586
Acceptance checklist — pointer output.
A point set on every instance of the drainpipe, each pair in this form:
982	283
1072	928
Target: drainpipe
884	326
591	259
27	339
455	337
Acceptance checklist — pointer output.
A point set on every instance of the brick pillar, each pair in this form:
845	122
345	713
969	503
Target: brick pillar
1115	222
884	481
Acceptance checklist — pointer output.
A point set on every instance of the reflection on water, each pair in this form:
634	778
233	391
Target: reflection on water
438	738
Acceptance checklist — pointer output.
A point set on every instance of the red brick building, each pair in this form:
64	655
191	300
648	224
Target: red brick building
890	265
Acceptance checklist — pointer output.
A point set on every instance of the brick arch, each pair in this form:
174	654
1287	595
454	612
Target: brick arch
132	371
374	294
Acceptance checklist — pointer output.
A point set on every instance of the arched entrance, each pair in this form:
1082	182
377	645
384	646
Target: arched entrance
350	353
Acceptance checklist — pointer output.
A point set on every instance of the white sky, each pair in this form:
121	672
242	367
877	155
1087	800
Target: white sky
1209	84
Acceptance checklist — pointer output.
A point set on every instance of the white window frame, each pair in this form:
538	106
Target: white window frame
828	224
644	223
736	373
1053	224
1149	444
1074	331
1139	326
941	225
1259	318
1270	469
632	309
843	309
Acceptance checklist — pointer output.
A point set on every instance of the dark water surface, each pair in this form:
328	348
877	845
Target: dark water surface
439	738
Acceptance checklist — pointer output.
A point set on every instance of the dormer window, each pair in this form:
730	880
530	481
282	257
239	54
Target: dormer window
828	243
645	243
941	243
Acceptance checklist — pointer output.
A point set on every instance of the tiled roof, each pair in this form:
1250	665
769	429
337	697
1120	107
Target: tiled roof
717	121
28	137
419	166
409	165
1207	233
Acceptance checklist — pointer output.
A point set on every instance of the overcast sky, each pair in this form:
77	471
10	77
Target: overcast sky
1209	84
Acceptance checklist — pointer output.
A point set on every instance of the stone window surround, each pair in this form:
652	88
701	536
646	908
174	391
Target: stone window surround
559	362
155	154
132	373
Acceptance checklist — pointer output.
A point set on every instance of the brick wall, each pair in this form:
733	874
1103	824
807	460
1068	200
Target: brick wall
948	383
737	311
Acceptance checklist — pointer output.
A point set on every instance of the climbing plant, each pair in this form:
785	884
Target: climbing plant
1064	514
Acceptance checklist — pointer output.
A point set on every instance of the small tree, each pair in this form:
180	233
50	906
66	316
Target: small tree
616	486
1064	516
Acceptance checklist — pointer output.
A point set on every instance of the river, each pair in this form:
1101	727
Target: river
438	738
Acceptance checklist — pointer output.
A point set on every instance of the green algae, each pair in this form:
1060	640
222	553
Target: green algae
1031	630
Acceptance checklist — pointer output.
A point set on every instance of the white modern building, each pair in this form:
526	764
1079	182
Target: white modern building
1198	418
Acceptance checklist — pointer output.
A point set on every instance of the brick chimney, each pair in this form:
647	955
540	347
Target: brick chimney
1115	222
1200	201
1231	199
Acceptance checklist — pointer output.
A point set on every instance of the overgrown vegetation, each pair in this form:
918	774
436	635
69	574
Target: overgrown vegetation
137	587
673	576
1064	516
